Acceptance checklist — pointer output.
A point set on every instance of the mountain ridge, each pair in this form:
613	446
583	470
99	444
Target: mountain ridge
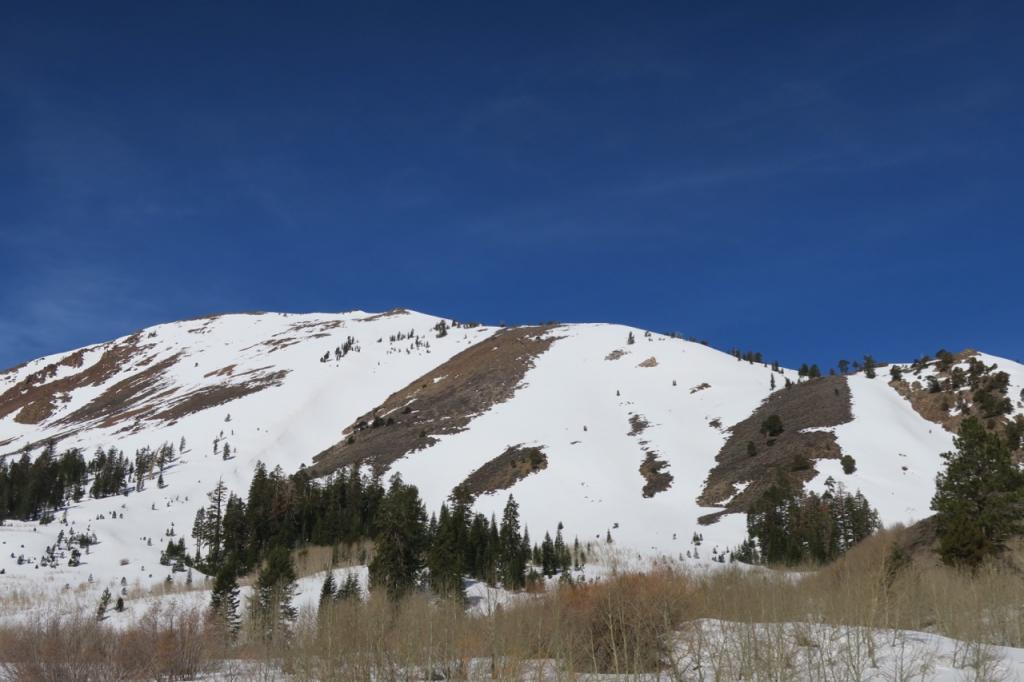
287	388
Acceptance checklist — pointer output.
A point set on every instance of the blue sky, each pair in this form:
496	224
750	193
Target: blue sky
809	181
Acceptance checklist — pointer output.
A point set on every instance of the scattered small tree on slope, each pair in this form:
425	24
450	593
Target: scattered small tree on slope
772	426
101	610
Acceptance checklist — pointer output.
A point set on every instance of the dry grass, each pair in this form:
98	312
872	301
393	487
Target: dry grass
741	623
163	646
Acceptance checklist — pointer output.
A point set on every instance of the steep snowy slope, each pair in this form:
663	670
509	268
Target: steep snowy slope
576	405
897	452
283	424
625	433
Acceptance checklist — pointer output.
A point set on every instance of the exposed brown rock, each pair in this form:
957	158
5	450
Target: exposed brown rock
36	411
222	372
321	327
143	393
34	398
954	399
654	472
649	362
121	400
443	401
504	471
394	312
212	396
817	403
637	425
275	343
652	468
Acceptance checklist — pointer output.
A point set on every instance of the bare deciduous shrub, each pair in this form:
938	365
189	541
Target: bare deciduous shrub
859	618
164	646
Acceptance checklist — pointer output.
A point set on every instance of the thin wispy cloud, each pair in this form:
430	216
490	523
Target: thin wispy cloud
61	308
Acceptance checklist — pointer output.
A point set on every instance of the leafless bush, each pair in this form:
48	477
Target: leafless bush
853	620
164	646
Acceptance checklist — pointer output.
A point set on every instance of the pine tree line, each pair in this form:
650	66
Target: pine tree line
33	489
286	511
788	527
410	548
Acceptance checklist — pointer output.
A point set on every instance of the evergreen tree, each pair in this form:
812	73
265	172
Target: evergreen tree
492	553
979	497
329	589
272	599
224	600
790	527
511	559
214	523
401	540
349	589
476	547
547	556
772	426
258	515
563	560
445	557
234	533
101	610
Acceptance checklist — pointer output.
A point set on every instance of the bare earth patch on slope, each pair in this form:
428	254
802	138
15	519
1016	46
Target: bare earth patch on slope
504	471
212	396
394	312
653	468
755	456
121	401
443	401
658	480
34	399
934	402
637	424
945	392
145	392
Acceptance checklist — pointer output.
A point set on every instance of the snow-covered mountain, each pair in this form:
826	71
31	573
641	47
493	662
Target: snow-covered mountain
600	426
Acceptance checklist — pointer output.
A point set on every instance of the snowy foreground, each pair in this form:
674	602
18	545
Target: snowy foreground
797	652
701	650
